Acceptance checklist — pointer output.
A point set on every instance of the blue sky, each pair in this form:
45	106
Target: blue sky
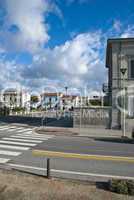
54	43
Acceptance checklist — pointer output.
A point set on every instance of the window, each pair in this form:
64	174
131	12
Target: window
132	69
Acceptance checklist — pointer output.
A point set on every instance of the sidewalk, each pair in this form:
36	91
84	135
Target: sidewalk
99	132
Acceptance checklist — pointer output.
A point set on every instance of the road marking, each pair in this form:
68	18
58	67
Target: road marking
29	137
23	140
11	130
14	147
73	172
10	153
36	135
82	156
2	129
23	130
3	160
17	143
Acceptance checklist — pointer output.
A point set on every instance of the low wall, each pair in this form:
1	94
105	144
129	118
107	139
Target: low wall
93	116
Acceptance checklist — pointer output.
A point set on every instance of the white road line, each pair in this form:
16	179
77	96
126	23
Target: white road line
10	153
22	140
28	132
28	137
11	130
17	143
14	147
2	129
23	130
4	126
3	160
74	172
36	135
19	128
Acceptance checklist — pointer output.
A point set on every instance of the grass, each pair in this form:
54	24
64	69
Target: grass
20	186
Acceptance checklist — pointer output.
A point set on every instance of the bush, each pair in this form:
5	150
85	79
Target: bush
133	133
130	185
122	186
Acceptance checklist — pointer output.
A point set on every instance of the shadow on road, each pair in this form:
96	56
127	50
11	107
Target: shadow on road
116	140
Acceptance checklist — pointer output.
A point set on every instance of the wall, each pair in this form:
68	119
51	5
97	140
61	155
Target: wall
95	116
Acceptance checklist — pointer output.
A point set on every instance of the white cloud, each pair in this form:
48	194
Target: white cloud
29	18
129	32
117	25
79	62
75	63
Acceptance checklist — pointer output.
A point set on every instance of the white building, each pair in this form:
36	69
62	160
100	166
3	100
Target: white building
14	98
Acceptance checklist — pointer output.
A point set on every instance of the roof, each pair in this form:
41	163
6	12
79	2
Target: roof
69	96
51	94
109	46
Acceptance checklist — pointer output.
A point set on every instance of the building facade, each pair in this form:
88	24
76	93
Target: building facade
13	98
120	65
50	100
59	101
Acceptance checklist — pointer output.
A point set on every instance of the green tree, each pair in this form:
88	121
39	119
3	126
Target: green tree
34	99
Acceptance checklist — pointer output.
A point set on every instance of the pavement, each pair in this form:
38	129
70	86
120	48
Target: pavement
18	142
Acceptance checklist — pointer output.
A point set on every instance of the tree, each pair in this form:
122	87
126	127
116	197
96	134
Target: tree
34	99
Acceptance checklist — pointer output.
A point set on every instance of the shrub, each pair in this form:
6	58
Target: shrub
122	186
130	185
133	133
119	186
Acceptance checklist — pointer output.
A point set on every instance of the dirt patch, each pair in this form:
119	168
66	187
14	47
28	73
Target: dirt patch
56	131
20	186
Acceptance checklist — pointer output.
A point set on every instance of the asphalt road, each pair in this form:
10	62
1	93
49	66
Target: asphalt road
20	137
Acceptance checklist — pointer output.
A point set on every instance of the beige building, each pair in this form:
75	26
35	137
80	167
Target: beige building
120	64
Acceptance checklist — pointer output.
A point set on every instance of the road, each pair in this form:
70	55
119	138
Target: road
18	142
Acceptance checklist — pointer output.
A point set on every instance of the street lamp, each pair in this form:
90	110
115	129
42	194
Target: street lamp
66	88
123	71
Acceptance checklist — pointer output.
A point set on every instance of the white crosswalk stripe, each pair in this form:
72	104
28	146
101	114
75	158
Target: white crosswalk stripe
4	129
3	160
10	153
14	147
36	135
17	143
28	137
23	130
23	140
19	140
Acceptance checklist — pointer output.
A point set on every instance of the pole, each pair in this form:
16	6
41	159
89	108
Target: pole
124	113
48	168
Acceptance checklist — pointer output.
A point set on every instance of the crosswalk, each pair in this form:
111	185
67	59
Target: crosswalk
17	140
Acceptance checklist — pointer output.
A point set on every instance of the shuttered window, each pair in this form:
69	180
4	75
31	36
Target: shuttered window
132	69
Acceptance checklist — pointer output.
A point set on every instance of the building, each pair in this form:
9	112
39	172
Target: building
69	101
120	65
50	100
13	98
58	100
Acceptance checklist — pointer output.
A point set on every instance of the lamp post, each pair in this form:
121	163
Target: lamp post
123	71
66	88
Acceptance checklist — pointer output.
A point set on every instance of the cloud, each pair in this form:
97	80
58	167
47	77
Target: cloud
75	63
29	17
117	25
129	32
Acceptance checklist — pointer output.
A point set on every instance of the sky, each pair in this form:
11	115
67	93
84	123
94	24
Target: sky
51	44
